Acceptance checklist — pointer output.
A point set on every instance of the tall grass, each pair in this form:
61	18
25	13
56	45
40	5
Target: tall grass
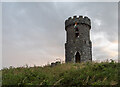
77	74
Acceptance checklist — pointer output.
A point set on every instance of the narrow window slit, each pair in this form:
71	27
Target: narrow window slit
76	34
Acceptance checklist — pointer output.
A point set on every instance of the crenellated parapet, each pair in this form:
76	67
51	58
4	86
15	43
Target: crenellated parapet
80	20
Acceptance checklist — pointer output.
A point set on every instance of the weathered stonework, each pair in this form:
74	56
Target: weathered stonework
78	46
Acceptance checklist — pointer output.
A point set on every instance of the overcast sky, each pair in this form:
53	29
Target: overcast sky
34	32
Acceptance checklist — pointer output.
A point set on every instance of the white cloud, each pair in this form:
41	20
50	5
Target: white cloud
106	49
97	22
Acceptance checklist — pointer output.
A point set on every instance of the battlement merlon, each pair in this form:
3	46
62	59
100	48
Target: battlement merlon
80	20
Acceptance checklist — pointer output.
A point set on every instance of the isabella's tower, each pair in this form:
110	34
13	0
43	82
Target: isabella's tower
78	46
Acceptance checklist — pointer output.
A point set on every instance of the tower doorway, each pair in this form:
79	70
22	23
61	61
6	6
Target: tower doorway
77	58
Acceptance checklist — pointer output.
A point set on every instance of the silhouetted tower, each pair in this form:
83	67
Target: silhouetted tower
78	46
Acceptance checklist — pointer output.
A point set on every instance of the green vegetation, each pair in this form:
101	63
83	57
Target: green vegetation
63	74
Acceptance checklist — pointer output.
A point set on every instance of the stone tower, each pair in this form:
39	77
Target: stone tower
78	46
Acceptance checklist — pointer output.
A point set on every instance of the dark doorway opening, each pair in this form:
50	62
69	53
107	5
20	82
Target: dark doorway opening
77	57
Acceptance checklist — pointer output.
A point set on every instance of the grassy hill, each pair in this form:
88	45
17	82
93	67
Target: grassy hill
63	74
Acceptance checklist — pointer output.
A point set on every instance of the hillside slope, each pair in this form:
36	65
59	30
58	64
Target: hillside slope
63	74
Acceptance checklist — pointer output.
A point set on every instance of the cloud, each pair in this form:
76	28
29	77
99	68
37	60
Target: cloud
33	33
103	48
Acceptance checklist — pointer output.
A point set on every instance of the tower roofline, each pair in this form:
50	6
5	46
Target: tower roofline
80	20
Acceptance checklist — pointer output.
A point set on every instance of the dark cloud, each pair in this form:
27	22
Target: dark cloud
34	33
